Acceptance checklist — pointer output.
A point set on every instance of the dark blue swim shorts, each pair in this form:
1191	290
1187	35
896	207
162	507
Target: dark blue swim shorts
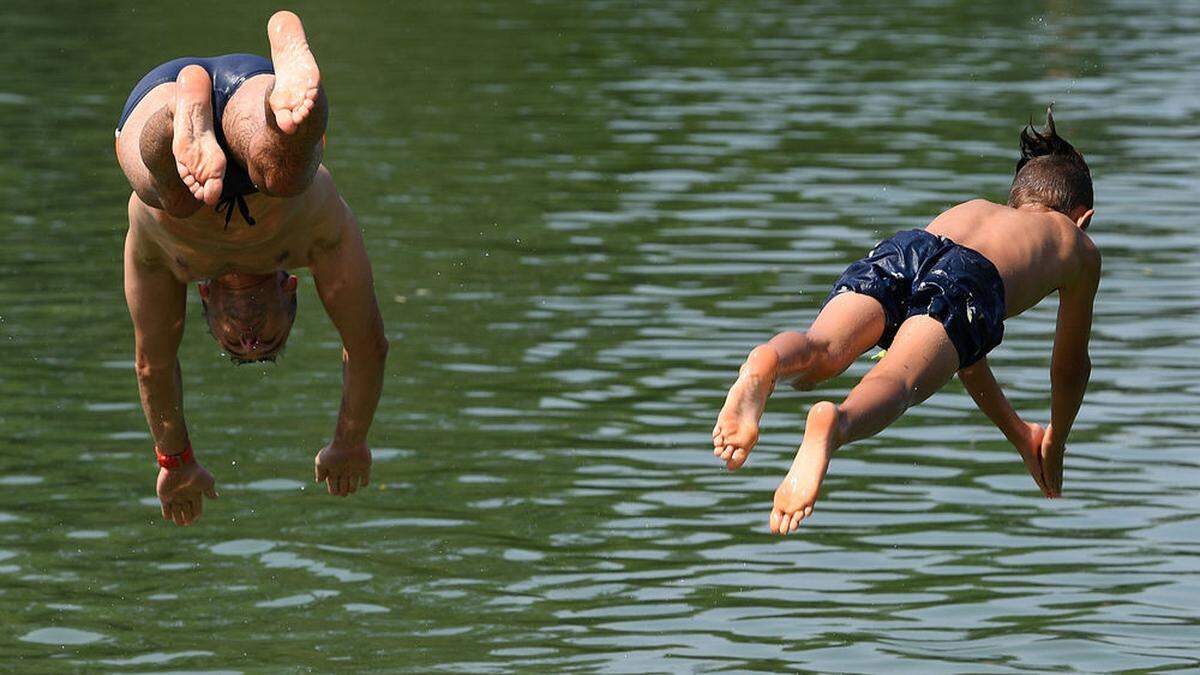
918	273
228	73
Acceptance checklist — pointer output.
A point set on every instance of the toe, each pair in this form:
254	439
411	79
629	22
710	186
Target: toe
776	516
739	457
283	118
212	192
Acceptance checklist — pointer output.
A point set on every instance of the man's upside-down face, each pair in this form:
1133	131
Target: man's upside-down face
250	315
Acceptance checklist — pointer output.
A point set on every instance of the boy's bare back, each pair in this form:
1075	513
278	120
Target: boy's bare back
1036	250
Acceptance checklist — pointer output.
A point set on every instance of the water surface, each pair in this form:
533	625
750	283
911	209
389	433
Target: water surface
581	217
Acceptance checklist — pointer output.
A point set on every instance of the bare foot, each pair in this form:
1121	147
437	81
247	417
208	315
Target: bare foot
737	424
795	496
198	157
1052	464
297	78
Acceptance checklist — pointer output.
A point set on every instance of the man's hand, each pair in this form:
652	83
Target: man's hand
182	492
344	468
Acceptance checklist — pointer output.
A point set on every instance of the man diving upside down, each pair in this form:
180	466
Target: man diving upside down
245	135
937	299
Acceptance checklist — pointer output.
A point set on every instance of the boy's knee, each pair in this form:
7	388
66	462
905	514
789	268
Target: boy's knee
823	362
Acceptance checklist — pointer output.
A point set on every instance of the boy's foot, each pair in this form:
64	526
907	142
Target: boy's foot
736	431
795	496
297	78
198	157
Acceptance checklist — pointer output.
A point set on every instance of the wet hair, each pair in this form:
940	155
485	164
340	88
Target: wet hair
1051	172
237	361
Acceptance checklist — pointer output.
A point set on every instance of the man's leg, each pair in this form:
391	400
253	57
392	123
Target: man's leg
848	326
275	124
167	148
920	360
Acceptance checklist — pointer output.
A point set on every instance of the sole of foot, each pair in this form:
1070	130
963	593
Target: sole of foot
797	494
297	78
736	431
198	157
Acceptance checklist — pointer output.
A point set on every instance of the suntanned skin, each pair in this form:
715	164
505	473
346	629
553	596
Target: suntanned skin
167	149
1036	250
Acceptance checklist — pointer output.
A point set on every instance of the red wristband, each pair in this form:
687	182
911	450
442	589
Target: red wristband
169	462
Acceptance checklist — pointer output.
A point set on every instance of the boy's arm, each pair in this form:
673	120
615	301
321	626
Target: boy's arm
1026	437
1070	366
344	282
979	382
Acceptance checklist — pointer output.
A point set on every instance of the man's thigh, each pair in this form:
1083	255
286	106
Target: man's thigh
129	154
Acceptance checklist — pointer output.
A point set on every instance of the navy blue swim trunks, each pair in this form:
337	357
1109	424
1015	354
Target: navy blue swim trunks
918	273
228	72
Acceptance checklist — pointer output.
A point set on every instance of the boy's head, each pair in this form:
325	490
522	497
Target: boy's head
1052	173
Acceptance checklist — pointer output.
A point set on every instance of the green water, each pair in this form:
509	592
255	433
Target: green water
581	216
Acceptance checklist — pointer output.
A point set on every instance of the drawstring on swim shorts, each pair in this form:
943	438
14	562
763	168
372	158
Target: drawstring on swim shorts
227	203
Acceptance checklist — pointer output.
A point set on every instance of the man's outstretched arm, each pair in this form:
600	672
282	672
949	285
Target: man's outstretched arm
343	277
157	305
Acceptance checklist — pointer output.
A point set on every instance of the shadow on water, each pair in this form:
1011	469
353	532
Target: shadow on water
581	216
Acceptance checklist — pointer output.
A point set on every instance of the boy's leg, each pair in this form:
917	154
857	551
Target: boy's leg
847	326
167	148
920	360
275	124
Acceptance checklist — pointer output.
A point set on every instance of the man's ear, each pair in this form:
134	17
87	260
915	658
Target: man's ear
289	284
1086	219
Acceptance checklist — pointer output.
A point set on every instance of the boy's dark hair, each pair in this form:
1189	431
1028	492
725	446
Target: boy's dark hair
1051	172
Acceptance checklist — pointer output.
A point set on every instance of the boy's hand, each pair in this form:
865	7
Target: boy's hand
182	492
1051	451
344	468
1031	452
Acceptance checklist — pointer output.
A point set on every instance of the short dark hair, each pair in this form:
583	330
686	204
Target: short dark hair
1051	172
241	362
